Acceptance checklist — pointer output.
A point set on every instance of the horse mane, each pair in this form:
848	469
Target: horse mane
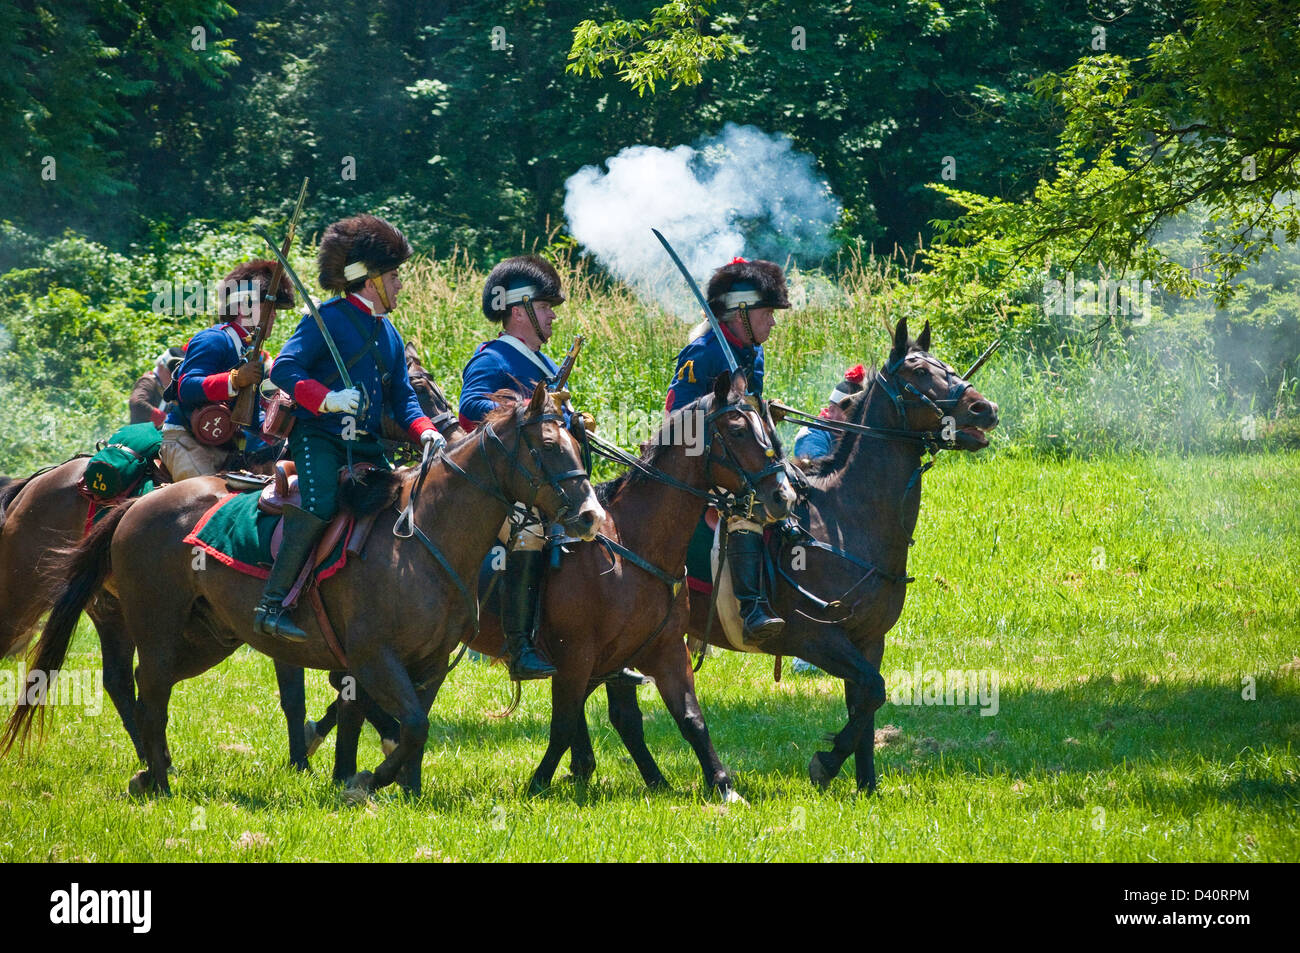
844	444
607	493
9	491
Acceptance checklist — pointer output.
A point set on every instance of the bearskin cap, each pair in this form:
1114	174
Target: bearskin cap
259	270
364	239
514	275
764	277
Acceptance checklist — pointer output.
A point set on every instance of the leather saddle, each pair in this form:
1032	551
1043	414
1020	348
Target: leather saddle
283	491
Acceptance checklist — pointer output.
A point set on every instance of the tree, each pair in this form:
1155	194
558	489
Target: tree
1208	118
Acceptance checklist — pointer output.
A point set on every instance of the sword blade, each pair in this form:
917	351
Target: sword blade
695	289
988	352
311	306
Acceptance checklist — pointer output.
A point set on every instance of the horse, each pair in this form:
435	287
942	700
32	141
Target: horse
44	515
184	620
634	572
860	511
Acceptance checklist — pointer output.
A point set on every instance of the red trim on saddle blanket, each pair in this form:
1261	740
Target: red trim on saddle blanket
257	572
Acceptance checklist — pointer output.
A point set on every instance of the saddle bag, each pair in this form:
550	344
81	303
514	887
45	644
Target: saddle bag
124	463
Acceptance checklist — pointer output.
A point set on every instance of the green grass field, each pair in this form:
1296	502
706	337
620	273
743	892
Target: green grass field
1140	614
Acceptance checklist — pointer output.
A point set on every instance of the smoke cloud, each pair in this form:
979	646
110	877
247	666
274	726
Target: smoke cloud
743	192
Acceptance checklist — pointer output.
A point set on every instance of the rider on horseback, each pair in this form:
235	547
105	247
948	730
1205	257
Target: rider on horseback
358	260
213	372
520	294
809	442
743	295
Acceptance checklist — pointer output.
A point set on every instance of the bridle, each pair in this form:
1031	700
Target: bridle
760	423
887	378
487	433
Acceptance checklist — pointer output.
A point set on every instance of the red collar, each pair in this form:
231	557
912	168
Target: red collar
239	329
726	333
360	305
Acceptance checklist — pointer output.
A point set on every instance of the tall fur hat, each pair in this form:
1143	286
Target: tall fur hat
259	270
514	278
761	281
360	242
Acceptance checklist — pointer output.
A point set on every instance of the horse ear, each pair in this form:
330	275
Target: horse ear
721	388
900	340
538	404
739	387
923	339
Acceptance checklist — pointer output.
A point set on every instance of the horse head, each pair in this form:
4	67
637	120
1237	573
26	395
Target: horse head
548	472
432	400
926	392
743	454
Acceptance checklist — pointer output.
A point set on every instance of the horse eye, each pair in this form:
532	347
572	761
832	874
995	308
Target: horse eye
736	430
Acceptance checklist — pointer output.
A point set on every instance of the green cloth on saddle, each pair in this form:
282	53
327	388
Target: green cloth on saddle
699	554
237	533
119	470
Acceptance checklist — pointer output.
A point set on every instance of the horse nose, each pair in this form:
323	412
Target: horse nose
590	518
986	410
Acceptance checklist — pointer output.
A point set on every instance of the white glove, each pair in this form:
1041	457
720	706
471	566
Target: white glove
341	401
432	441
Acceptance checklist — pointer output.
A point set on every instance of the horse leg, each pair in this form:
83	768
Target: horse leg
151	713
293	702
831	651
670	667
118	654
409	777
858	698
350	717
625	716
568	692
582	756
388	682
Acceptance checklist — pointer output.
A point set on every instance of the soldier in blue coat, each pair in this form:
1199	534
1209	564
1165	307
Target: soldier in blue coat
810	443
358	260
744	296
214	370
520	294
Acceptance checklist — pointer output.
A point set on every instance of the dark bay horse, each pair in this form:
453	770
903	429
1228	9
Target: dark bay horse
863	500
653	511
399	611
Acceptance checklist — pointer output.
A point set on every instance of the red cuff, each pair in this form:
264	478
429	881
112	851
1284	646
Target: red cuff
157	416
216	387
668	403
467	425
310	394
417	428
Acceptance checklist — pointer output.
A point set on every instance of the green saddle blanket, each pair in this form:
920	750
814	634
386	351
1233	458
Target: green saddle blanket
235	532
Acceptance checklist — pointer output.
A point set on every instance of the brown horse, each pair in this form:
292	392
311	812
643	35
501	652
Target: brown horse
400	610
861	509
635	575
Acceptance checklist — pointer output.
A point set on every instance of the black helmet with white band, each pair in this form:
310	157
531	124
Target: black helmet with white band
521	280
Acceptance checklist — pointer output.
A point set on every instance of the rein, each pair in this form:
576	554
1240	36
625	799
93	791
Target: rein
407	514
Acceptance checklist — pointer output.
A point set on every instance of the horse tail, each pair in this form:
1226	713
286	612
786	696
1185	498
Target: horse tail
84	567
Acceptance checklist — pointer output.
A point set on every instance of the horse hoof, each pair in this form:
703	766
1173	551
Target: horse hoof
140	785
388	745
818	773
359	787
536	788
732	796
309	736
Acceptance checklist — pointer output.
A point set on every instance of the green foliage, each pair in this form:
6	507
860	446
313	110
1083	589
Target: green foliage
670	45
1145	138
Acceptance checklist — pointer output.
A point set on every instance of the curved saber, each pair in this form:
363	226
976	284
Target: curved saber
311	306
708	312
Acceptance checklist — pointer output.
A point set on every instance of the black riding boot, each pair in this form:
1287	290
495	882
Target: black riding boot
745	553
302	530
519	595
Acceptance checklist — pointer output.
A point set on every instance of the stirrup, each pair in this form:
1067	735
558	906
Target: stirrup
274	620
